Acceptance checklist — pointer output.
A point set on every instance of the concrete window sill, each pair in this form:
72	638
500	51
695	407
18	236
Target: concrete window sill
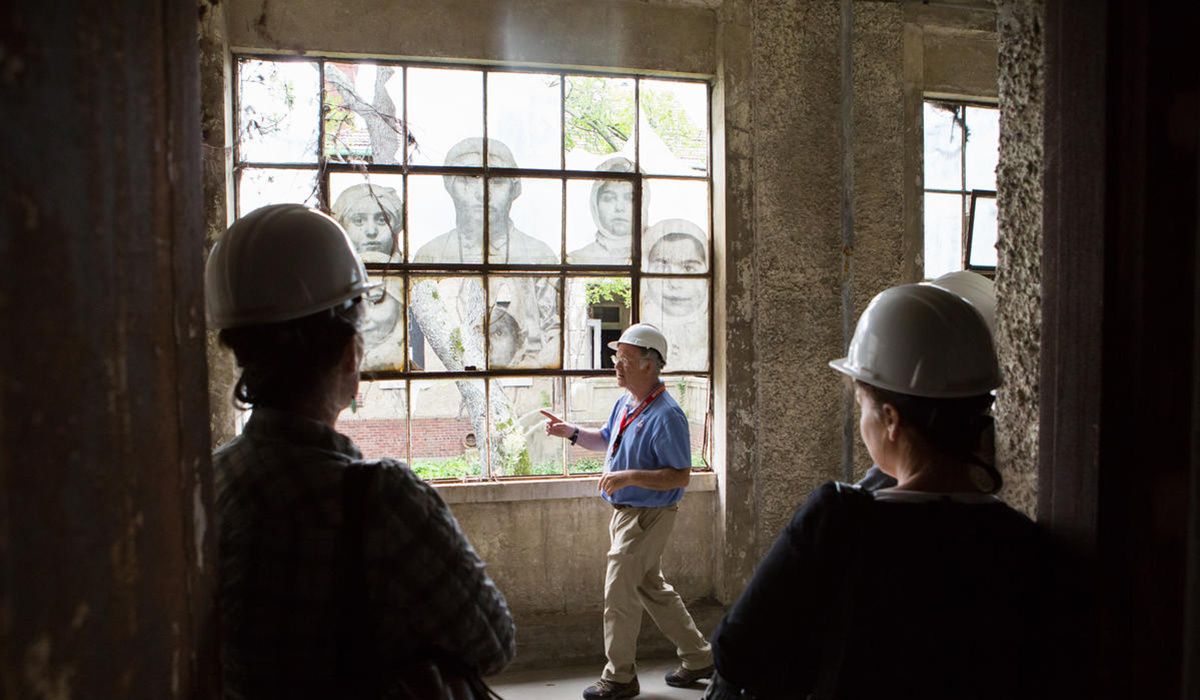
543	489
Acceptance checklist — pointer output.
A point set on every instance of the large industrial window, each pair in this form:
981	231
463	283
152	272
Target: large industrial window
519	220
962	148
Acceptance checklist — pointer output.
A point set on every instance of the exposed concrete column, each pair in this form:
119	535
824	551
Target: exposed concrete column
1019	276
106	554
216	121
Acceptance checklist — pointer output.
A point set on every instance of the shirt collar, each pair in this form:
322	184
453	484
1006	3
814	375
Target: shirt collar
273	424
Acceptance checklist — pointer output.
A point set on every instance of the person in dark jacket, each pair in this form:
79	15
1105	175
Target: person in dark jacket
930	588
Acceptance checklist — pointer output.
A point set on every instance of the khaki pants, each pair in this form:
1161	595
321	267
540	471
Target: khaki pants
634	581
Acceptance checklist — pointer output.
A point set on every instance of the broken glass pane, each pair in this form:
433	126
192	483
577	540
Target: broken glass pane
983	233
364	105
526	221
448	312
523	113
943	233
445	217
377	421
674	122
371	209
258	187
943	146
445	107
523	325
599	118
679	308
382	326
590	402
449	432
597	310
521	446
983	147
278	111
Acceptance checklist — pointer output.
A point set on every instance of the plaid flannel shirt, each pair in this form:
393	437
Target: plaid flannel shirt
279	501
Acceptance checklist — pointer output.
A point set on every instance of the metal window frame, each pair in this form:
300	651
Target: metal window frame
405	270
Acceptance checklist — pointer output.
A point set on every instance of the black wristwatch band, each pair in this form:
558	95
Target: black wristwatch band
574	436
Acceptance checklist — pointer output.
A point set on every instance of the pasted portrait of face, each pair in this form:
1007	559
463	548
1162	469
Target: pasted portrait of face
505	337
382	314
677	246
372	216
612	200
467	191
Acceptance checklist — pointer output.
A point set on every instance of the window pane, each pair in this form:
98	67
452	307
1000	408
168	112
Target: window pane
679	307
277	111
521	446
590	402
378	420
363	113
258	187
523	324
526	221
524	113
445	106
382	326
371	209
943	147
599	120
600	217
449	435
674	246
448	314
674	121
983	147
983	240
445	217
598	309
691	393
943	234
677	199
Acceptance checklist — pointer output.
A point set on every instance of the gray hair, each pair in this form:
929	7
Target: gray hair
654	356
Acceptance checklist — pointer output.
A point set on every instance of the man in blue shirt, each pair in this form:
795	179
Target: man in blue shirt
647	466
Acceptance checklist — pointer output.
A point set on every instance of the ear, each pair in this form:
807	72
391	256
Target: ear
891	421
516	188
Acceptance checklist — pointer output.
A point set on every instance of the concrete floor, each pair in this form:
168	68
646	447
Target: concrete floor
568	683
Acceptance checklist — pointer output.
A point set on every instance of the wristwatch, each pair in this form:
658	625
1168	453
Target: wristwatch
574	435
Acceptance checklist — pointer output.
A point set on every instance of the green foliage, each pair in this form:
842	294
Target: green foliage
609	289
446	468
587	465
671	123
599	115
456	343
544	399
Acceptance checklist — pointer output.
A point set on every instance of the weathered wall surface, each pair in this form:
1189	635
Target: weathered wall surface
1018	282
105	488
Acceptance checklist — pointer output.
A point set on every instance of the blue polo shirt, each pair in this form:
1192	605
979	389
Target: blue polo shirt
656	439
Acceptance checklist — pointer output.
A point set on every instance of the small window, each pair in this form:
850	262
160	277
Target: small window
518	220
962	147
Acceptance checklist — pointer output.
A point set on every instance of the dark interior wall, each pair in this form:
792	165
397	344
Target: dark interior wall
105	487
1118	356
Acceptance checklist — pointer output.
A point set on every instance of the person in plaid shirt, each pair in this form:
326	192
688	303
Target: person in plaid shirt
324	587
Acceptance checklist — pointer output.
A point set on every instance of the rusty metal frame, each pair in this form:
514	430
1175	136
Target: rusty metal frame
563	271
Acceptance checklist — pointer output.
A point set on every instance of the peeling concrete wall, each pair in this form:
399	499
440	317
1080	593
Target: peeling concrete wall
1018	283
106	551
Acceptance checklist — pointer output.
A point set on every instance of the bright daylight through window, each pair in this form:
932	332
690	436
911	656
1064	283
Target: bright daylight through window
962	148
519	221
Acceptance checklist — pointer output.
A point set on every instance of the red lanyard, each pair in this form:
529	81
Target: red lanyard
628	418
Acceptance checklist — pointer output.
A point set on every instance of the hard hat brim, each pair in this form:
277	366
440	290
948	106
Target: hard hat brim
843	365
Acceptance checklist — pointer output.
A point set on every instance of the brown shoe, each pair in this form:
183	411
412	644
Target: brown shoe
605	689
684	677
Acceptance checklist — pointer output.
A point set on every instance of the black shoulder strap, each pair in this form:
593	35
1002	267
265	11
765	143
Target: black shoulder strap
856	502
355	638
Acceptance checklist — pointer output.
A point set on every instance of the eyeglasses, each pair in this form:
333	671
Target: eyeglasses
622	360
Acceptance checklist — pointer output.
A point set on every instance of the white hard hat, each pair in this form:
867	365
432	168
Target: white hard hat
643	335
921	340
976	289
278	263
